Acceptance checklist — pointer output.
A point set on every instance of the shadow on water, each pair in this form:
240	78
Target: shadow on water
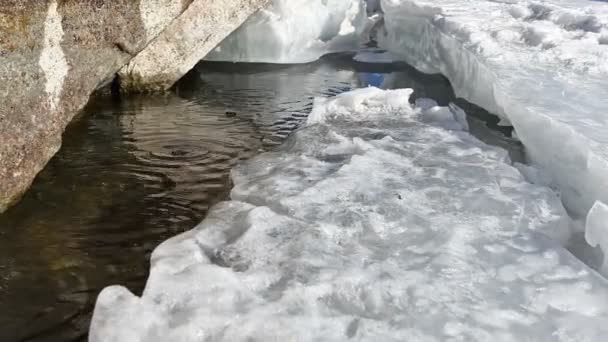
133	172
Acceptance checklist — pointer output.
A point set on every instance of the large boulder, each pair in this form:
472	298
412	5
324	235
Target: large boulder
55	54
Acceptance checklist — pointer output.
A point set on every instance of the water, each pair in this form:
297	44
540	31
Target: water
134	171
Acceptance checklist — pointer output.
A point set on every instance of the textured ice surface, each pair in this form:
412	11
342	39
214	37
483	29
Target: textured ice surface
542	65
296	31
372	223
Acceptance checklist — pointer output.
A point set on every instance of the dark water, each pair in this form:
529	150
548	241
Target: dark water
137	170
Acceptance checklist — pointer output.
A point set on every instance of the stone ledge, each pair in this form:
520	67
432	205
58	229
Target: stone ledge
186	41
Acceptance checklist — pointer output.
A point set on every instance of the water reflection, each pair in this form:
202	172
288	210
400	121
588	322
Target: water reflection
135	171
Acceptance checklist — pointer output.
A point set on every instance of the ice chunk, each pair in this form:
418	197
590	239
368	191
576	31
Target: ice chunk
596	231
296	31
110	314
369	224
362	105
541	66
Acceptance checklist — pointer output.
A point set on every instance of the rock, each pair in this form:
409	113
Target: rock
55	54
184	43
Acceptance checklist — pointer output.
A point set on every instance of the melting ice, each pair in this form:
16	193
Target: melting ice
378	221
296	31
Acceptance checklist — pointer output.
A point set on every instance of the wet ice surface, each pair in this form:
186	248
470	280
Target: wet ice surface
376	221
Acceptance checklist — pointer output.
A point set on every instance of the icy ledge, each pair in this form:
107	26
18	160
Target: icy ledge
378	221
296	31
542	66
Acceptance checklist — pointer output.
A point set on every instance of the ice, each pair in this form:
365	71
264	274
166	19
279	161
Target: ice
371	223
540	65
596	231
296	31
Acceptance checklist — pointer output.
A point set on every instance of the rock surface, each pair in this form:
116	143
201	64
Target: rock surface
54	54
184	43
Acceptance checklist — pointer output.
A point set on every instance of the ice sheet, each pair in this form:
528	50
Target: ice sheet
542	65
296	31
378	221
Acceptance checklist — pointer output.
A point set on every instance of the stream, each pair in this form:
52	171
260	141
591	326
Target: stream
136	170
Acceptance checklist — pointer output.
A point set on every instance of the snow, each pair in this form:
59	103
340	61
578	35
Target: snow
377	221
540	65
296	31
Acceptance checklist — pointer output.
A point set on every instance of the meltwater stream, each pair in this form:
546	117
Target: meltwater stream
134	171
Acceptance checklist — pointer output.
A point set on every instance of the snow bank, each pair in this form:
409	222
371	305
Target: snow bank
296	31
543	66
376	223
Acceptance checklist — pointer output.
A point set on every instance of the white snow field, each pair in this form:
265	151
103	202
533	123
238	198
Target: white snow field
540	65
296	31
377	221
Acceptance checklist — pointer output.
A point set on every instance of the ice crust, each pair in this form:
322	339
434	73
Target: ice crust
540	65
377	221
296	31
